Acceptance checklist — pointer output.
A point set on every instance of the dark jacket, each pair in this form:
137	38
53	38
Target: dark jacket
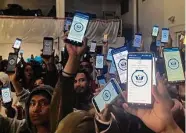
23	126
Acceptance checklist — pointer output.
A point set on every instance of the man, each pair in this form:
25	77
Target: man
82	90
37	112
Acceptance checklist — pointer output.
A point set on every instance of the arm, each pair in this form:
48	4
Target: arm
62	100
11	125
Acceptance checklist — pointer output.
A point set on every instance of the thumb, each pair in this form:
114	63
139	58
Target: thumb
156	94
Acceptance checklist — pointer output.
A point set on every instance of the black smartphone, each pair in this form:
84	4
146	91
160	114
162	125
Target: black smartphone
48	46
17	43
140	79
12	61
6	95
155	31
101	80
78	29
107	96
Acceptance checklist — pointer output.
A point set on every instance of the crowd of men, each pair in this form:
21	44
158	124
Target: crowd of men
48	97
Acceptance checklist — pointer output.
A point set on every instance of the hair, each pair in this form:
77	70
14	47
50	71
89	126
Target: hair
42	93
87	75
23	69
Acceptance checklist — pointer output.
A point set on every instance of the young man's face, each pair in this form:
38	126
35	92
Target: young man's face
39	110
80	83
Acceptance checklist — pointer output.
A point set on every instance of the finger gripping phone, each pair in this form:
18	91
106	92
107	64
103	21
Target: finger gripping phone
173	64
12	61
48	46
6	95
108	95
78	28
139	81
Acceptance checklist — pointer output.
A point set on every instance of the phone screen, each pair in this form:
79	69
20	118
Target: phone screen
17	43
112	68
12	61
47	46
107	95
6	95
165	35
120	59
109	54
155	31
158	43
101	80
139	78
137	40
184	42
173	64
99	61
78	27
105	38
67	25
93	47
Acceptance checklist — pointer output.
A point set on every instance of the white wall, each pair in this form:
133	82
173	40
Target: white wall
44	5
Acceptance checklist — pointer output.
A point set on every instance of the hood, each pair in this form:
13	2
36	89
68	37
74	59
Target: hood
38	90
4	78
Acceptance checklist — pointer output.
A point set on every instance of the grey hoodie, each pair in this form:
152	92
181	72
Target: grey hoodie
23	126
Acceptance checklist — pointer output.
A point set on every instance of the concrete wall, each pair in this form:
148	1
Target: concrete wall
157	12
44	5
93	6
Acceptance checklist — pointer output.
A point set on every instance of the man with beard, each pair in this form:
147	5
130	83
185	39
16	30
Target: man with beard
83	94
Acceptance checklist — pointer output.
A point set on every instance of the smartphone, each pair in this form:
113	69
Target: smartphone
158	43
120	60
48	46
137	40
105	38
155	31
12	61
112	68
21	52
154	69
165	35
107	95
139	80
173	64
109	54
78	28
68	22
17	43
93	46
184	42
6	95
101	80
99	61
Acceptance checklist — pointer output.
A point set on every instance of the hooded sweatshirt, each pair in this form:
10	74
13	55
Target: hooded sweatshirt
23	126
